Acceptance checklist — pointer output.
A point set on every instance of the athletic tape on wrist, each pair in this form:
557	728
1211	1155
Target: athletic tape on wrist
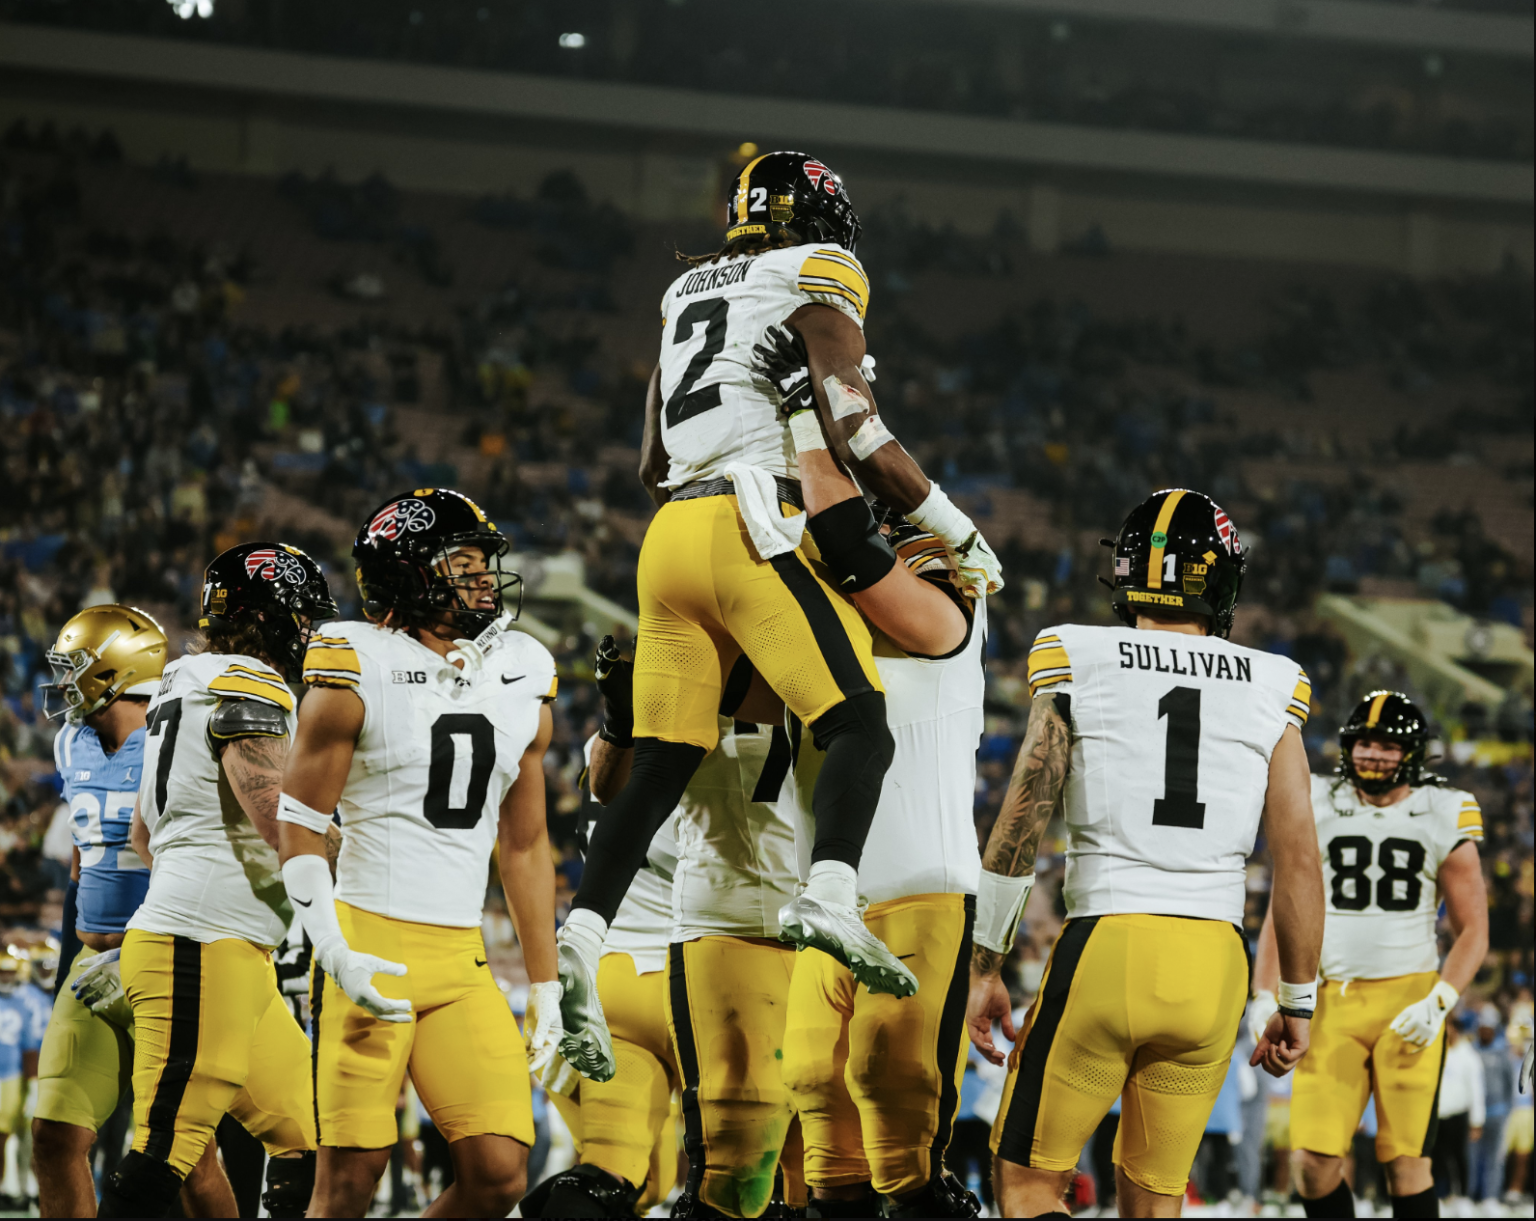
842	398
999	907
291	809
1297	998
805	428
871	436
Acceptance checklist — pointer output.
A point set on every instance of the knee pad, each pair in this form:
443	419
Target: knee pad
582	1191
861	716
290	1183
867	1205
943	1197
141	1186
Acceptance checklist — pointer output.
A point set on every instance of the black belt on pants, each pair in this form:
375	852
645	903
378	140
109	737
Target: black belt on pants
789	490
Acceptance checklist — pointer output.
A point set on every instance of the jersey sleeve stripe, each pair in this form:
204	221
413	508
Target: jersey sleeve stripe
1299	709
554	688
326	657
848	261
1049	665
245	687
831	288
1470	821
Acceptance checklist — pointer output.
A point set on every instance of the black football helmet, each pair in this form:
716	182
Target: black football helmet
1178	551
273	587
1392	717
794	193
404	542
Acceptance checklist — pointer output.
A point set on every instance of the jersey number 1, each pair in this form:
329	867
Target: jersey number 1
686	402
1179	806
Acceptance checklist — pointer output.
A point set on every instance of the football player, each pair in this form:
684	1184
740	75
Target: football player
1396	842
212	1033
876	1079
721	576
427	724
1163	743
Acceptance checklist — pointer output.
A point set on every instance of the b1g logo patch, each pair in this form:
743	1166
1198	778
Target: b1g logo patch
404	516
1228	533
821	176
272	565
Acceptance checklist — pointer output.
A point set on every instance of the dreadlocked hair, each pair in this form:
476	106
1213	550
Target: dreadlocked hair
749	244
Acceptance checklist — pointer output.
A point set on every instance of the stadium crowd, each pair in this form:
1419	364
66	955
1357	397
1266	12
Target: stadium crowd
145	425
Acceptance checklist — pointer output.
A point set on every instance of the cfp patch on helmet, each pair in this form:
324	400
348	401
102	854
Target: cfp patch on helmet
409	515
1228	533
821	176
270	564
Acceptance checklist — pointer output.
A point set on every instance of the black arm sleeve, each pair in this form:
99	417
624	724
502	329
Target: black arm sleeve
851	545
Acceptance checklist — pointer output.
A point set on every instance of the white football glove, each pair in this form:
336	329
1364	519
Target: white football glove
1420	1023
354	972
1261	1008
100	982
980	573
585	1042
542	1031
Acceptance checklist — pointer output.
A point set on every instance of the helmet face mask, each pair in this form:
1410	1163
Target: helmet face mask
1178	552
433	558
273	589
791	193
1385	718
101	653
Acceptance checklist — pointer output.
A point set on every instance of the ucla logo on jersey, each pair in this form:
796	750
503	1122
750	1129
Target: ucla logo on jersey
81	776
272	565
408	515
410	676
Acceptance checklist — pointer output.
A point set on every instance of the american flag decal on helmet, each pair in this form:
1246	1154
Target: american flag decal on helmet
821	176
273	565
1122	566
395	519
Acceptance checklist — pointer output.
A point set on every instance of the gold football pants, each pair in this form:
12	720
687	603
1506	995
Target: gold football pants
462	1044
726	1004
86	1060
876	1079
705	599
1143	1008
624	1125
213	1036
1353	1052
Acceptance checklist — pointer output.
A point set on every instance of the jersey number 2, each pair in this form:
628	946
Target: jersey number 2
463	754
1179	806
686	402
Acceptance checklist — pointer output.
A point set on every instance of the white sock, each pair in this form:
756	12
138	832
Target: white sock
834	882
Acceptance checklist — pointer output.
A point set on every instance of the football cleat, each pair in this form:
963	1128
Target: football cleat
585	1044
812	924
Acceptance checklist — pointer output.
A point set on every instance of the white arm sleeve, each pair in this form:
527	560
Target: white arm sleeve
308	879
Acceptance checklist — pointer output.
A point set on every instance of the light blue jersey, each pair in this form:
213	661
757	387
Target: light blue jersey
39	1007
15	1034
100	789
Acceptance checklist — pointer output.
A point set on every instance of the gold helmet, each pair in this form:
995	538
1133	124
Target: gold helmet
14	969
44	958
102	653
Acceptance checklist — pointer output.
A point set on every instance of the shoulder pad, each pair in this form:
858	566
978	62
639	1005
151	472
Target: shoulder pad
242	718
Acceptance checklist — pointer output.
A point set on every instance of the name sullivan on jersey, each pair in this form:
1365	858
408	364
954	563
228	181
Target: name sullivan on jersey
716	277
1150	657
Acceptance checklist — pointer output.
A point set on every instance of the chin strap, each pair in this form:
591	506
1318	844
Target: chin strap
474	652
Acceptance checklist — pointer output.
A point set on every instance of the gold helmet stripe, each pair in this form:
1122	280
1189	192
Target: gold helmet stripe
1373	717
741	191
1155	559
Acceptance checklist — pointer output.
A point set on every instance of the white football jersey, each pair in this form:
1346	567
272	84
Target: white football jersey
213	875
642	926
1381	870
1171	740
438	751
923	837
735	848
715	409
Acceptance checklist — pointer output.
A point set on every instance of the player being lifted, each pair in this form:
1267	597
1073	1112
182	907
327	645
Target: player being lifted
875	1079
1163	744
1396	841
212	1032
720	575
427	725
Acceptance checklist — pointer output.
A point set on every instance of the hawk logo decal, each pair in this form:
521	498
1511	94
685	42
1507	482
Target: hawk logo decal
821	176
1228	533
273	565
409	515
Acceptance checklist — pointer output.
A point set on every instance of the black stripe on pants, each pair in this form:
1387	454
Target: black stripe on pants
951	1031
831	636
316	994
181	1050
688	1065
1018	1138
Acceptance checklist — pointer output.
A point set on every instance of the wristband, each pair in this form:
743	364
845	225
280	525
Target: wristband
939	516
999	905
871	436
805	428
1297	1000
291	809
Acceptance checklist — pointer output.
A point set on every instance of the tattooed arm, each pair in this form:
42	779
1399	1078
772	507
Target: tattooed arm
1034	792
254	768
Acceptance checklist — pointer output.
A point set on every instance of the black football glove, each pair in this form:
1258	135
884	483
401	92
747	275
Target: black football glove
616	684
781	359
